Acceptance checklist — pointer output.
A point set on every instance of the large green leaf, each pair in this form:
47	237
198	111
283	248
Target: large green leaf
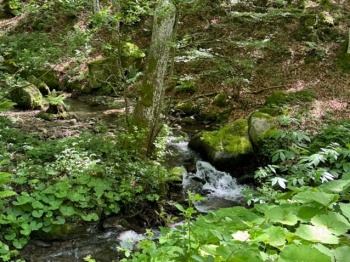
336	223
276	236
280	215
317	234
305	213
317	197
342	254
302	253
336	186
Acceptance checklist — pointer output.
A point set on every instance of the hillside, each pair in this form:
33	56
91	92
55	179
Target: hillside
243	49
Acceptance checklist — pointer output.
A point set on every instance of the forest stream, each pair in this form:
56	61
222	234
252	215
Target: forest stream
101	240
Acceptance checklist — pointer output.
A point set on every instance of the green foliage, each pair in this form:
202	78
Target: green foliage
5	179
281	97
290	142
307	223
54	99
5	104
294	165
186	86
107	173
333	133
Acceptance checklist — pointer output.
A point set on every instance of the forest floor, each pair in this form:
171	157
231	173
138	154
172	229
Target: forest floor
246	52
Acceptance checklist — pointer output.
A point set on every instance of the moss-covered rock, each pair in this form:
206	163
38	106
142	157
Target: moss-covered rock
277	98
43	88
27	96
220	100
187	108
46	116
66	231
260	125
103	73
47	75
225	148
305	95
132	50
131	57
185	87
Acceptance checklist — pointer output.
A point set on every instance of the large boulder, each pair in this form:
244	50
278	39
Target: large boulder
226	148
43	88
103	73
106	74
260	124
27	96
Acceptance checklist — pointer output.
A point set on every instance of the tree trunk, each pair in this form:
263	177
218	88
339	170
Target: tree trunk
97	7
348	51
151	92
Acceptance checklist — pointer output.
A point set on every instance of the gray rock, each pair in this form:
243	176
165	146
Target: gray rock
260	124
27	96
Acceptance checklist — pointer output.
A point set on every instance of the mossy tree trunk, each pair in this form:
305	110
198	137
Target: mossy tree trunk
151	91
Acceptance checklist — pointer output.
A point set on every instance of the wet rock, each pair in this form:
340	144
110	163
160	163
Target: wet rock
260	124
27	96
225	148
115	222
66	231
188	120
102	246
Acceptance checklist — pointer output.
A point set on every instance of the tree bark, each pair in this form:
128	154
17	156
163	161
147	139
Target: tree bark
97	7
348	51
151	92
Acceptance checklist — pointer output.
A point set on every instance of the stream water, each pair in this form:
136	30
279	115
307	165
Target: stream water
101	241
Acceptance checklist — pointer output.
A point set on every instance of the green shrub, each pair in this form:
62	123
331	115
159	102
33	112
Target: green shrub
333	133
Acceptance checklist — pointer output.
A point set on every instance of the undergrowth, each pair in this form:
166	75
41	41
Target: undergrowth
71	179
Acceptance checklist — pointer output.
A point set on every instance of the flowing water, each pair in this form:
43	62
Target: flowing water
219	188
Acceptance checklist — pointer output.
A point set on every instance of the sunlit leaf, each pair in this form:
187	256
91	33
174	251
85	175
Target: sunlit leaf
336	223
317	234
317	197
241	236
280	215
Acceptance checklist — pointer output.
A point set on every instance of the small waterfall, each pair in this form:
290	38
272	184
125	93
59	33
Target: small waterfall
219	188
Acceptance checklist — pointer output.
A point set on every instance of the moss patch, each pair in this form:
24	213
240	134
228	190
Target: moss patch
277	98
305	95
232	138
